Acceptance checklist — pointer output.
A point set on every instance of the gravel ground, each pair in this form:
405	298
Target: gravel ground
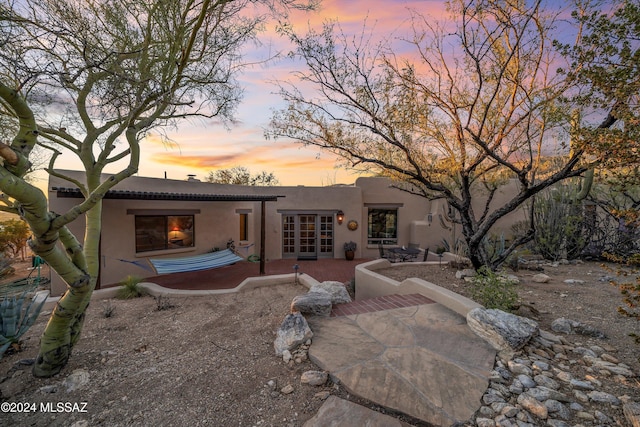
210	360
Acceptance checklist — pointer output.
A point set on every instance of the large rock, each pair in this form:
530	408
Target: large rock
337	290
504	331
293	332
568	326
315	302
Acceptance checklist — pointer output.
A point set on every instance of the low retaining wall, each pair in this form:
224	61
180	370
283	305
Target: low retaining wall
370	284
156	290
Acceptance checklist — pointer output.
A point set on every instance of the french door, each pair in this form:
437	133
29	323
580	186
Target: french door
307	236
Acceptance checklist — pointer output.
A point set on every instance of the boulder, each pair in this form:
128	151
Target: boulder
504	331
467	272
315	302
337	290
293	332
568	326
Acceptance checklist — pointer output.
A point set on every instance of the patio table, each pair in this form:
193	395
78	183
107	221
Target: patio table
405	254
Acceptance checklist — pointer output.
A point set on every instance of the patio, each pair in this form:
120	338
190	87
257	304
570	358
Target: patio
232	275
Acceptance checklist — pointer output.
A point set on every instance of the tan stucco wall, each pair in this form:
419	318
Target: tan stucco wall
217	222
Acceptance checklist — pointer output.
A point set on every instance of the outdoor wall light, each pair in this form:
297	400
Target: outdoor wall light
340	217
429	218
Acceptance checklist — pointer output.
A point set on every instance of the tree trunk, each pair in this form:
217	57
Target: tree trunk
65	324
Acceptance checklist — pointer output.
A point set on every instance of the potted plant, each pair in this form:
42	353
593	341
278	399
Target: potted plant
350	250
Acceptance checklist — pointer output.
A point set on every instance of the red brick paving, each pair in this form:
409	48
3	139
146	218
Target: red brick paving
323	269
380	303
232	275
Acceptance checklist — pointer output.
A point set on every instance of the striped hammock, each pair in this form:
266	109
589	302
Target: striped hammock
195	263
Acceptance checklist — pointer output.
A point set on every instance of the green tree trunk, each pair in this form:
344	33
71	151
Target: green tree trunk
65	324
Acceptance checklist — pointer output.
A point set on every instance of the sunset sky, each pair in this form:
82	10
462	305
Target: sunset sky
203	146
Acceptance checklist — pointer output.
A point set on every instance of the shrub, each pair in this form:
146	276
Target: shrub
14	320
493	290
108	309
163	303
130	288
559	224
350	246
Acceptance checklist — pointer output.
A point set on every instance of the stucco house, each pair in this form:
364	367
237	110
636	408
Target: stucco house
154	217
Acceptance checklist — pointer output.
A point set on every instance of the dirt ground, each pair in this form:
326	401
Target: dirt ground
210	360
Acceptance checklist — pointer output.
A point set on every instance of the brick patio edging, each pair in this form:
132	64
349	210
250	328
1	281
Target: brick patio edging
370	284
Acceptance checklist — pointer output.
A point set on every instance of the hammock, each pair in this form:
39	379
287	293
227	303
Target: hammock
195	263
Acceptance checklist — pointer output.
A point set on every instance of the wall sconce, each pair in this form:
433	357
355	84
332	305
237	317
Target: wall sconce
340	217
429	218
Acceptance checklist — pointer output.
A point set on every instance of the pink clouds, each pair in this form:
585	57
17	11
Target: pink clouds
197	148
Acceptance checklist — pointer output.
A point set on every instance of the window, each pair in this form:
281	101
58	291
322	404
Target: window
160	232
382	226
244	226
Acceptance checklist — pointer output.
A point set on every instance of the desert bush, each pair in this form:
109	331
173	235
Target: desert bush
163	303
559	224
108	309
16	319
6	269
493	290
130	288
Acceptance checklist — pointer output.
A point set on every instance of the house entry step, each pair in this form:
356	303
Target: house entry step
386	302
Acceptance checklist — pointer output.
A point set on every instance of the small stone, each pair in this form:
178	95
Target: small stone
557	423
519	368
539	364
533	405
581	385
485	422
574	282
544	393
581	396
510	411
286	356
585	416
49	389
603	418
322	395
602	397
631	412
545	381
76	380
526	381
288	389
609	358
541	278
314	378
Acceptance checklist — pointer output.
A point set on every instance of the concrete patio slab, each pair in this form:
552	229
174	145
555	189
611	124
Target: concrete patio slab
423	361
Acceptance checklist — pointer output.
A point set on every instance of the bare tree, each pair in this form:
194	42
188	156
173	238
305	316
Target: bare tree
239	175
477	105
90	78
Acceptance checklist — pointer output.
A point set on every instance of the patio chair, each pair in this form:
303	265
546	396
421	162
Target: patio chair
426	254
384	254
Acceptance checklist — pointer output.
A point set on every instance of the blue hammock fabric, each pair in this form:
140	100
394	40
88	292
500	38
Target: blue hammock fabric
195	263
